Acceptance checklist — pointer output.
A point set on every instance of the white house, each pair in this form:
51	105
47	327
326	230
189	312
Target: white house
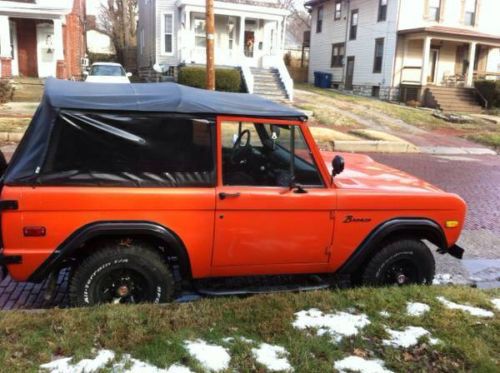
249	35
394	48
41	38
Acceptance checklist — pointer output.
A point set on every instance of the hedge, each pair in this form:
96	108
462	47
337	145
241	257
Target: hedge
228	80
6	90
490	89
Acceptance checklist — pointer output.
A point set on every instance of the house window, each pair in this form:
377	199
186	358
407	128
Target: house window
199	32
338	52
382	10
338	9
434	9
319	20
354	25
470	12
376	91
168	33
379	53
230	33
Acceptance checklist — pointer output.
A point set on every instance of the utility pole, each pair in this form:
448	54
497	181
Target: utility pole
210	30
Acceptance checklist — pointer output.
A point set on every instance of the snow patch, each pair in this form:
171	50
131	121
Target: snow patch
274	358
442	279
211	357
474	311
338	325
233	339
105	357
416	309
358	364
405	338
64	365
384	313
496	303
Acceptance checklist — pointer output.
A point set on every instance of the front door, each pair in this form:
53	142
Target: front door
349	73
265	221
434	59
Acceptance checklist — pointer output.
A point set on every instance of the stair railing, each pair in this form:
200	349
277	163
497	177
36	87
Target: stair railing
285	77
247	76
478	92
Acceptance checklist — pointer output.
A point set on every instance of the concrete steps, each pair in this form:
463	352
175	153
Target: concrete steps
267	83
453	99
27	89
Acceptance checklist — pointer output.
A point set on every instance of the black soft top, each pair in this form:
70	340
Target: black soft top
160	97
66	99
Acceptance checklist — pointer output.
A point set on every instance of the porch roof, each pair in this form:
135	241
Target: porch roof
453	32
242	6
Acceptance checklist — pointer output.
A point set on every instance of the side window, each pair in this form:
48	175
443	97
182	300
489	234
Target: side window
266	155
130	149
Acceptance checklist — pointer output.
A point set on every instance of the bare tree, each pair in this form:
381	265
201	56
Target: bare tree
298	21
118	19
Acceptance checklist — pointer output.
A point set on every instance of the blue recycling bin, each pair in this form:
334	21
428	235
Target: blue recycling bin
322	80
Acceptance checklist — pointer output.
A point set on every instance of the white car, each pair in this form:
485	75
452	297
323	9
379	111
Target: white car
107	72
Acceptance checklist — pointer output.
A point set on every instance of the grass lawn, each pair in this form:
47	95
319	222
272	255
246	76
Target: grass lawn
157	334
480	131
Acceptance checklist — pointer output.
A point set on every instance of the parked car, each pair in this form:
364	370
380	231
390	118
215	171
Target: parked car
107	72
145	191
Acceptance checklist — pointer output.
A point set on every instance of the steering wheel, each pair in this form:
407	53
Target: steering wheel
239	151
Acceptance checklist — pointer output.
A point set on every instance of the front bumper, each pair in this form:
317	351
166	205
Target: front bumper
6	260
455	251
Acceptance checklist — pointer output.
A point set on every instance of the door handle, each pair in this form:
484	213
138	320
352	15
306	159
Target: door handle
224	195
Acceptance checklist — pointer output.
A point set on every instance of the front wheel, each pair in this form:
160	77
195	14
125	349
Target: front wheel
122	274
401	262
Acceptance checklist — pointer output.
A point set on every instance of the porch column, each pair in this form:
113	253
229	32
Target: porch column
59	49
5	49
470	70
241	42
425	60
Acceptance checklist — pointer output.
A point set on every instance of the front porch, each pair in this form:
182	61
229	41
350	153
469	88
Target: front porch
240	39
31	46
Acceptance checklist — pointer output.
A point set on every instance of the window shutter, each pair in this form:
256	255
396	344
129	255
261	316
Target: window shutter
442	8
462	12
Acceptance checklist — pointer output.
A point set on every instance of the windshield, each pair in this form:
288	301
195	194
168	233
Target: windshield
107	70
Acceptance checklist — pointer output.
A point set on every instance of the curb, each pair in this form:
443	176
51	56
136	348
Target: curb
374	146
11	136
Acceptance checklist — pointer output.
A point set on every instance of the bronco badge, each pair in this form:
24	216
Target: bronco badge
352	219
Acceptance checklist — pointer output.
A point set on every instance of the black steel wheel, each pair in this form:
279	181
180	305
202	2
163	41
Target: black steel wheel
401	262
122	274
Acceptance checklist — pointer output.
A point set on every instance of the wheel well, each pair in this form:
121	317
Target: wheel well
170	255
396	229
88	238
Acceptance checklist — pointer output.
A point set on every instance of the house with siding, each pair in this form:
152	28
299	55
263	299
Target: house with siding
41	38
427	50
249	35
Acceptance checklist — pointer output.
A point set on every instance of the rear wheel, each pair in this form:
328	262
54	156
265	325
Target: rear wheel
122	274
401	262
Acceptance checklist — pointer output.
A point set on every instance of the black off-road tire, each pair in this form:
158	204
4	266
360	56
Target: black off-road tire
403	258
113	263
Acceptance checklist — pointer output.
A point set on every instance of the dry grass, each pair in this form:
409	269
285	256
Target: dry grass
14	124
156	333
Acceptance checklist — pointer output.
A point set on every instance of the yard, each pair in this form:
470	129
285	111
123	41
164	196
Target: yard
345	112
306	332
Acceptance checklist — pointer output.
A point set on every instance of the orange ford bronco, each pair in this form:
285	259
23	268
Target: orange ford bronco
145	190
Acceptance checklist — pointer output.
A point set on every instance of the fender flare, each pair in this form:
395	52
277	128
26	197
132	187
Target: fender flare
420	227
112	228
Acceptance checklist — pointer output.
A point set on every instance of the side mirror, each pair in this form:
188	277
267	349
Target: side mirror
129	75
337	165
86	73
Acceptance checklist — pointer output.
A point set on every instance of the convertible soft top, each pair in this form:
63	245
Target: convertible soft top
160	97
103	115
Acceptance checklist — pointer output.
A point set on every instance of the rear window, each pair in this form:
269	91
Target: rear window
130	150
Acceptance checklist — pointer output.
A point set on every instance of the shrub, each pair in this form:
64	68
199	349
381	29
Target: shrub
490	90
228	80
6	90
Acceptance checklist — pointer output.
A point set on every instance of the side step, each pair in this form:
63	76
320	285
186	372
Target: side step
228	286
